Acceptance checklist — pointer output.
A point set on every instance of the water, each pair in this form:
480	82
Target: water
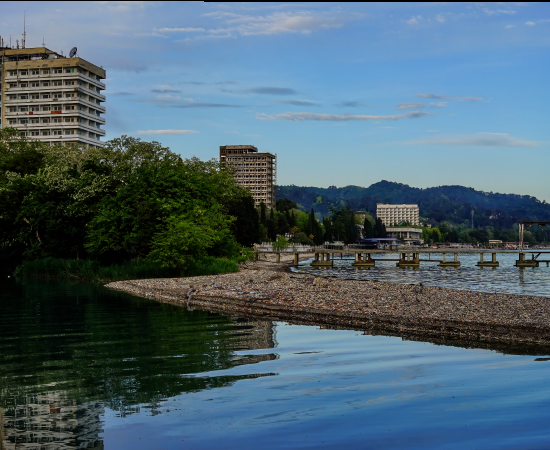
503	279
84	367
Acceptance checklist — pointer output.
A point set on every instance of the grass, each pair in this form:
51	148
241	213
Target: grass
90	270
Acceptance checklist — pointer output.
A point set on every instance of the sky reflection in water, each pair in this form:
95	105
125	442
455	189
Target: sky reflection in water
131	373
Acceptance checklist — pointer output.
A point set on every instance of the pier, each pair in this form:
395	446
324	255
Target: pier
410	256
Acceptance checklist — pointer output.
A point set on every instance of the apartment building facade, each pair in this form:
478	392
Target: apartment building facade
254	171
51	98
396	214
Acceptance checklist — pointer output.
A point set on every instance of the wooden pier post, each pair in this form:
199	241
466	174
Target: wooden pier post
492	263
323	261
363	260
445	263
296	258
522	262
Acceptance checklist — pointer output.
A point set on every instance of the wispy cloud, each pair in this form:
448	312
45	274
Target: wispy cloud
165	91
447	97
492	12
477	140
279	22
167	132
271	91
352	104
303	116
298	102
414	20
123	6
181	30
410	105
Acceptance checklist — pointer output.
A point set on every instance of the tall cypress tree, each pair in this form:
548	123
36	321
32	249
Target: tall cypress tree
368	229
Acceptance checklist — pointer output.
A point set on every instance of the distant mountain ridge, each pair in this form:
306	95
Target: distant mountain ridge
450	203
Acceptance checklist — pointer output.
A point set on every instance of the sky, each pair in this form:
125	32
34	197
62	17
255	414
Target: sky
426	94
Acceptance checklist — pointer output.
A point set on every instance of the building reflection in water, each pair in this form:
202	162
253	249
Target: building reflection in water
55	420
51	420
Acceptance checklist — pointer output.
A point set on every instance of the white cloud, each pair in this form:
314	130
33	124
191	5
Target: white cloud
509	26
530	24
440	18
167	132
414	20
477	140
438	105
302	116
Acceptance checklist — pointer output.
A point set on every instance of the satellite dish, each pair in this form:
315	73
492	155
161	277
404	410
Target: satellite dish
73	52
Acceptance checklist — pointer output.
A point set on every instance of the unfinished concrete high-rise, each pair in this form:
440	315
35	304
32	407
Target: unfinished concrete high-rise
50	97
254	171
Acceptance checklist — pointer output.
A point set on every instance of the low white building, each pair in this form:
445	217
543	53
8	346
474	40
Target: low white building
407	235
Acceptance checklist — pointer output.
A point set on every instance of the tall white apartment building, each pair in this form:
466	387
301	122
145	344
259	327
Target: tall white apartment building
51	98
395	214
254	171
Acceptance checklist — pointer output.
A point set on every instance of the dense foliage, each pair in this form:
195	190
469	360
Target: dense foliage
495	216
126	201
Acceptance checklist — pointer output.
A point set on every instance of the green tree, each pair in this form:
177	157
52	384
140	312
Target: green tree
368	228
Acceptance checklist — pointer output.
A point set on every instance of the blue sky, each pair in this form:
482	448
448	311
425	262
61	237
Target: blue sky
422	94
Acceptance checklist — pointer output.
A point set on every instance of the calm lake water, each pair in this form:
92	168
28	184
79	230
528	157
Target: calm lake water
84	367
503	279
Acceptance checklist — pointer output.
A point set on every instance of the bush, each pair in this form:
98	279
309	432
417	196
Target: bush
90	270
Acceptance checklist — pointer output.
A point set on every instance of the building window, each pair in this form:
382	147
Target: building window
69	83
35	96
45	108
57	83
23	121
45	95
24	97
35	72
13	73
24	85
13	85
13	109
23	109
35	133
35	120
12	121
24	72
69	70
57	132
57	95
46	71
69	107
45	133
35	84
45	120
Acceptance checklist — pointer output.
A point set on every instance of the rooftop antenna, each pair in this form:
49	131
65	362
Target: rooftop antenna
43	43
24	31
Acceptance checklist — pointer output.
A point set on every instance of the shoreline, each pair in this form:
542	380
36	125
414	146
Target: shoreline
270	291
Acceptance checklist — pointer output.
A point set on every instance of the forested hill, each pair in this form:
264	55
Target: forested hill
451	203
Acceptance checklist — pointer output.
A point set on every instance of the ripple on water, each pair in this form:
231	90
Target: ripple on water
503	279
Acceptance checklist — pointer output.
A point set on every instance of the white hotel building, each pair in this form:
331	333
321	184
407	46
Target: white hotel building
51	98
396	214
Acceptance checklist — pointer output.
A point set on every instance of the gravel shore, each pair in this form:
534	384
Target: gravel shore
270	291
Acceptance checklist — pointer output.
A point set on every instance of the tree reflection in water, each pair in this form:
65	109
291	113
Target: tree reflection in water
69	351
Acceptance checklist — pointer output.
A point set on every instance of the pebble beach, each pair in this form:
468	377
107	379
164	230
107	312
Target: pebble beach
270	291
